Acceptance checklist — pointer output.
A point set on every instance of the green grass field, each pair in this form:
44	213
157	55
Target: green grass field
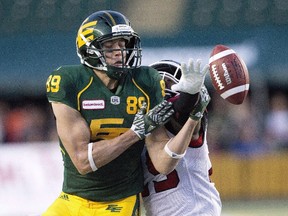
254	208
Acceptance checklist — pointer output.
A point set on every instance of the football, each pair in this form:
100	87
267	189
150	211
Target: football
229	74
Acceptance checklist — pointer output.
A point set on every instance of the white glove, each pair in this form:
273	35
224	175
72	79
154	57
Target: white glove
192	77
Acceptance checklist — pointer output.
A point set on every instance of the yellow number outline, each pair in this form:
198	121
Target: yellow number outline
53	83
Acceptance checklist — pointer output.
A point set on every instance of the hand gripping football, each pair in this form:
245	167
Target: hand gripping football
229	74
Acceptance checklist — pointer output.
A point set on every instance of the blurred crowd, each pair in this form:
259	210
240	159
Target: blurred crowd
252	128
26	121
249	129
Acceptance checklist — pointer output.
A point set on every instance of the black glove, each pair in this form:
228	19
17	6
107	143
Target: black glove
200	107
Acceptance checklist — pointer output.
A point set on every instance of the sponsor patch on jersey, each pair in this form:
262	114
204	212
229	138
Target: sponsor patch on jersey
115	100
93	104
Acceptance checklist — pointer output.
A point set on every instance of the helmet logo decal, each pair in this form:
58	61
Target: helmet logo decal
83	32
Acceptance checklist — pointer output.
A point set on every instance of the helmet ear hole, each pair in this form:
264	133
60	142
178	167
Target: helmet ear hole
96	44
130	42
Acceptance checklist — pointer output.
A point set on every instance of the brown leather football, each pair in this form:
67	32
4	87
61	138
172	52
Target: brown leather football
229	74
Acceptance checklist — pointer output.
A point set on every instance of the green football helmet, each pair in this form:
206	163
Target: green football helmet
103	26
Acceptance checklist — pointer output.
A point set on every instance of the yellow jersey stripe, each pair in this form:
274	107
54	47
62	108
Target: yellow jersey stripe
148	98
79	94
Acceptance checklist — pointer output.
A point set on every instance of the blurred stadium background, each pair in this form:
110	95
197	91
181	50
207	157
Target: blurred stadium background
248	143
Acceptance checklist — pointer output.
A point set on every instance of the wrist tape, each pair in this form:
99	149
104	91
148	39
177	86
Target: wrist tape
90	157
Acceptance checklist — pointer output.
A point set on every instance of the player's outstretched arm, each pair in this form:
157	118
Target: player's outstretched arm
165	152
189	86
75	136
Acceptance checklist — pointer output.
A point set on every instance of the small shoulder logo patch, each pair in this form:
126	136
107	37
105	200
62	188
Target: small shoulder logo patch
115	100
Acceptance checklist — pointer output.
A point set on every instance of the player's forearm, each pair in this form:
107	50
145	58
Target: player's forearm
105	151
88	157
75	135
180	142
176	146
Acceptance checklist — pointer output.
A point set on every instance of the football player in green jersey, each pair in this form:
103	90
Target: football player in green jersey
100	107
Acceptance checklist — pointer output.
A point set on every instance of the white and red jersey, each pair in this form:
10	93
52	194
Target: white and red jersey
186	191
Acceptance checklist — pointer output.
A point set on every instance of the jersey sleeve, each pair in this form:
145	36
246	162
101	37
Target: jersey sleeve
61	88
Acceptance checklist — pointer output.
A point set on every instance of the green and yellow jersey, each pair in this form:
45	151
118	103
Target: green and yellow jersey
108	115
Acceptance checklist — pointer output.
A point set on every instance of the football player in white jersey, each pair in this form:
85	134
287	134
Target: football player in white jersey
187	190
